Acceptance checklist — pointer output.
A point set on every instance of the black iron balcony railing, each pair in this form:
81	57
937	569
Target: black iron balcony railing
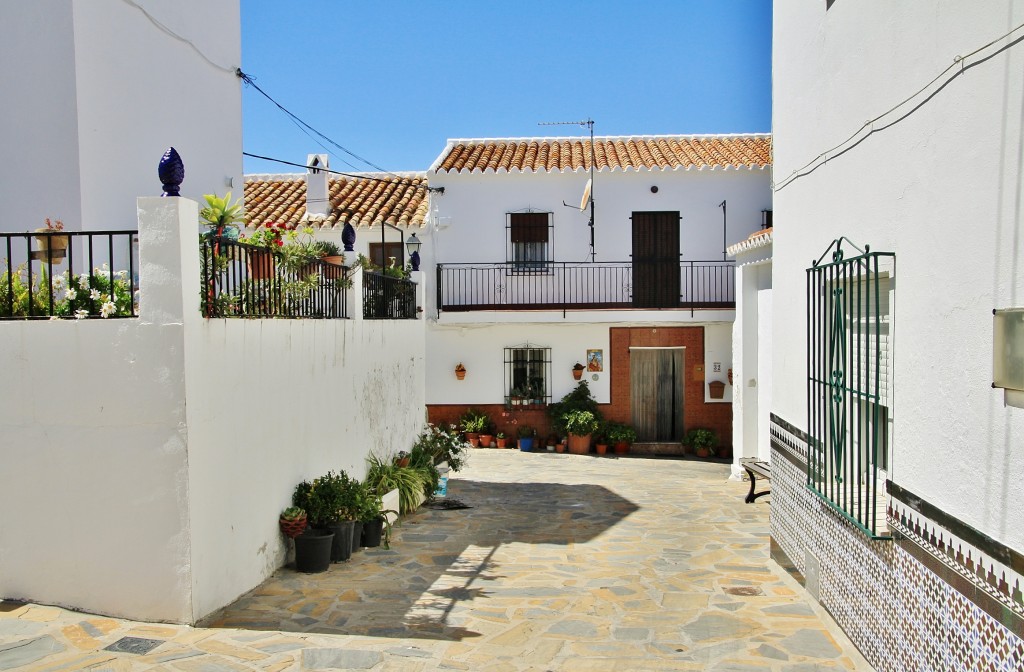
550	285
240	280
68	274
388	298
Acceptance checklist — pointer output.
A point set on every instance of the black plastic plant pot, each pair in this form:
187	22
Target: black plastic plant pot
372	533
357	536
341	549
313	551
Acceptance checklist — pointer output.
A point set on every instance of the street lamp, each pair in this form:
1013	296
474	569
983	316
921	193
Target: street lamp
413	245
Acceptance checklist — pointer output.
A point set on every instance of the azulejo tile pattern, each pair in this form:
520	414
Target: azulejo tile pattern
670	152
565	562
399	201
891	597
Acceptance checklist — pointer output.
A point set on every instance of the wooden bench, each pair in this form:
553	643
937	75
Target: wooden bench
755	468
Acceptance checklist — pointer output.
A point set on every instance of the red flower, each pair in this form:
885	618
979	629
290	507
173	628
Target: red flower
280	242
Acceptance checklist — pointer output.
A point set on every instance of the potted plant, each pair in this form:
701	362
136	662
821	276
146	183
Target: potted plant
702	441
292	521
600	438
222	216
579	399
52	247
376	528
579	424
402	459
525	433
472	423
460	371
577	371
620	436
487	433
313	546
501	439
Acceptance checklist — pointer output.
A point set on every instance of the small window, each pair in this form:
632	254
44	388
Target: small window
390	251
529	241
527	375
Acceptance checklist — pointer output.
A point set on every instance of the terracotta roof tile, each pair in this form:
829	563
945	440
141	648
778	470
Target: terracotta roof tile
669	152
281	199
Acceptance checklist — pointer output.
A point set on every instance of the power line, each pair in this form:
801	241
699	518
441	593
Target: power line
178	37
295	119
401	180
852	141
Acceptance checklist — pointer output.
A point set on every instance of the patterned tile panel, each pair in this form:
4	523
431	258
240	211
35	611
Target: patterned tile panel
899	601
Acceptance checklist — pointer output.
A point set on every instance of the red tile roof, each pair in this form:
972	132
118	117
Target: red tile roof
399	201
669	152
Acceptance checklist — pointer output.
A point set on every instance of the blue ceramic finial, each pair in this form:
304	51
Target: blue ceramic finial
414	259
348	237
171	172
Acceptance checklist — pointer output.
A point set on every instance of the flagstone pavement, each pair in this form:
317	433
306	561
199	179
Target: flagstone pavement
564	562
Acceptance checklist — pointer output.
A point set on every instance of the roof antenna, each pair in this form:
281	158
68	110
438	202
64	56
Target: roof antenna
588	191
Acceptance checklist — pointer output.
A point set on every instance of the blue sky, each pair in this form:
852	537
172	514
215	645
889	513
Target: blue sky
392	80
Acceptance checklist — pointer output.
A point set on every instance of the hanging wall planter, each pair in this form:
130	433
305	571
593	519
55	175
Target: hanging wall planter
577	371
460	371
717	389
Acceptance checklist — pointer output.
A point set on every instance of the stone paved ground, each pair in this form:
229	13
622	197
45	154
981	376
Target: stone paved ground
564	562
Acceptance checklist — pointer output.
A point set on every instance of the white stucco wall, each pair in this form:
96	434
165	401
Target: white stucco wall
471	212
146	461
751	340
939	184
100	92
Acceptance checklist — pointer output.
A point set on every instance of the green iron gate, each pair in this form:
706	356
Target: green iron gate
846	413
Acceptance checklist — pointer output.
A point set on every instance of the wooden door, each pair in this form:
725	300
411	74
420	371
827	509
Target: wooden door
656	393
655	259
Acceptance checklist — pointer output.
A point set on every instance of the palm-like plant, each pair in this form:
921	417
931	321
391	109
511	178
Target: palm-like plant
219	213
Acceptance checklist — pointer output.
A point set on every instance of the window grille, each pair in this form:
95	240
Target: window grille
529	241
848	333
527	375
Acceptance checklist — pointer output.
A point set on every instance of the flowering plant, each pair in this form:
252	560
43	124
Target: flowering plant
55	225
101	293
269	235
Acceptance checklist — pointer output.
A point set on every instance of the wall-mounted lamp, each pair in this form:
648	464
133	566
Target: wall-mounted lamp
413	245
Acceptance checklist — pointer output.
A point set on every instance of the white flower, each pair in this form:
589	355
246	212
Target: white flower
107	309
70	294
58	282
94	294
79	314
83	281
122	274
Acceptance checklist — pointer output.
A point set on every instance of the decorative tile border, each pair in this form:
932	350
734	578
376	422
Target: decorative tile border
904	603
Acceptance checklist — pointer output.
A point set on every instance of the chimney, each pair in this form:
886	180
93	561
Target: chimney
317	199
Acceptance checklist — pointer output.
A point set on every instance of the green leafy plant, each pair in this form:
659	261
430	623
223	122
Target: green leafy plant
293	513
701	439
473	421
579	422
525	432
328	499
620	432
383	476
579	399
220	213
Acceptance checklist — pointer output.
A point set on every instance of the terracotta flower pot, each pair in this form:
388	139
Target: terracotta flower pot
602	448
502	442
579	445
261	264
292	528
621	448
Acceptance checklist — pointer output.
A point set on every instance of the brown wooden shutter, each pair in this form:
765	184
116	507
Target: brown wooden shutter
529	227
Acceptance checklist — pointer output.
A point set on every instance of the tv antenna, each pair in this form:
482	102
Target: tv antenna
588	191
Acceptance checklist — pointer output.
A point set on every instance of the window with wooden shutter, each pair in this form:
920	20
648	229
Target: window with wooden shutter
529	235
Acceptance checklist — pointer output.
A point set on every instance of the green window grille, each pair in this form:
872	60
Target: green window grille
848	335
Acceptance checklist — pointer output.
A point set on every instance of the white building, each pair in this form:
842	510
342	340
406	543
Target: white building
95	92
526	288
901	130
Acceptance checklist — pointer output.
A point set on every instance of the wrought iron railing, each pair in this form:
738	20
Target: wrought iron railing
585	285
388	298
847	415
240	280
69	274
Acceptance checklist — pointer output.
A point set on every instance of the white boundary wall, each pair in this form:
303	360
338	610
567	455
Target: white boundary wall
146	460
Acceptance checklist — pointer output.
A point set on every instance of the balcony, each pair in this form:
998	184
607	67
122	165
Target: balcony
615	285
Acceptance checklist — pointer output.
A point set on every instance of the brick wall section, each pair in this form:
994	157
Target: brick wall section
696	413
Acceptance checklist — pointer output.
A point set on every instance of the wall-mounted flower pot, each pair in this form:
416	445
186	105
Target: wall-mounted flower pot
717	389
460	373
577	373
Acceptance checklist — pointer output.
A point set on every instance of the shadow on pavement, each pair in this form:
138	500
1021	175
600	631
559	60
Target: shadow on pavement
439	560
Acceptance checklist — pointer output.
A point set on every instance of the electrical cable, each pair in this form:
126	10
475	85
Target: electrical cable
401	180
958	62
171	33
249	81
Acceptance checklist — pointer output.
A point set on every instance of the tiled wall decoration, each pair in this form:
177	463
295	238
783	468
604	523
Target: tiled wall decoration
911	604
